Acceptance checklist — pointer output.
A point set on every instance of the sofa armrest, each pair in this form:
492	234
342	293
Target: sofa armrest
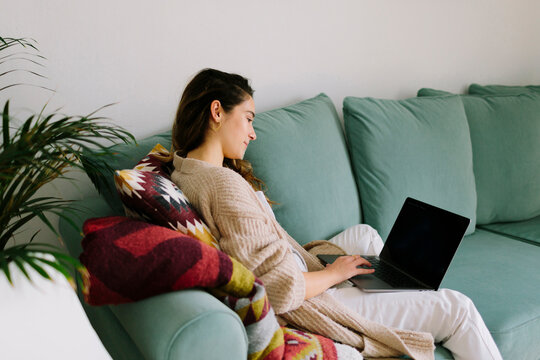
187	324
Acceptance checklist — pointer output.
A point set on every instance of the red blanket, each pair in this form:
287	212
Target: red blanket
129	260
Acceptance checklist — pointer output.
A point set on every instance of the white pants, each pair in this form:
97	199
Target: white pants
448	315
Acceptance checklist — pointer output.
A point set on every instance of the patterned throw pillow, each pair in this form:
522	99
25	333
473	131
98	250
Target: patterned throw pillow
157	161
148	194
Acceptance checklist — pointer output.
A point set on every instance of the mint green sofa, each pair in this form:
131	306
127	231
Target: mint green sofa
325	179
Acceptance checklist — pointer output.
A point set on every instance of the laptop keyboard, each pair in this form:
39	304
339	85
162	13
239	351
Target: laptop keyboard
390	275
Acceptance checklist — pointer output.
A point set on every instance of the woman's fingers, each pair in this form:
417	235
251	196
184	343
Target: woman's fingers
361	261
363	266
355	265
362	271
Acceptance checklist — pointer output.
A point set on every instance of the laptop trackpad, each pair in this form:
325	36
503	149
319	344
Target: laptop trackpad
371	283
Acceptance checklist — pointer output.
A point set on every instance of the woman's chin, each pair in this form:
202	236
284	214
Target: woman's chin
241	154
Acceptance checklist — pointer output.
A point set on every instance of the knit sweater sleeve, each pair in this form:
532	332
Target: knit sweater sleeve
249	235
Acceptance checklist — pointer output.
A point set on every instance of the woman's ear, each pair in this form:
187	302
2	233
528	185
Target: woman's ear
216	111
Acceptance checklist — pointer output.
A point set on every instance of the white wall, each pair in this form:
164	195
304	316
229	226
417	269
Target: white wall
141	53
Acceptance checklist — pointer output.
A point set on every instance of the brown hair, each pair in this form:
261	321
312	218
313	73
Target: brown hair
192	117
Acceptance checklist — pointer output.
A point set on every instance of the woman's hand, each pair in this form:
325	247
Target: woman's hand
345	267
340	270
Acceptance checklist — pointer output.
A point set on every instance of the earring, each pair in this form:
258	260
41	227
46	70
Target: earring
217	127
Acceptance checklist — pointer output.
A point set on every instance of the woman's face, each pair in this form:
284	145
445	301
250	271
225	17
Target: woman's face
237	129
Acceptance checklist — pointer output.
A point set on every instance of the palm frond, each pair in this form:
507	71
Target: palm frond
39	151
8	42
43	148
23	56
5	125
31	85
16	70
33	152
38	257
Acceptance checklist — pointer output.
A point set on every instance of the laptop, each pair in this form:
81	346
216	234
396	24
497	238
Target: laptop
418	250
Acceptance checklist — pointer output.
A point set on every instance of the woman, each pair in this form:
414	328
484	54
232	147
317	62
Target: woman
212	129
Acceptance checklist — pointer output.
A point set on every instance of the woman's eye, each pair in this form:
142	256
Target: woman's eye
250	120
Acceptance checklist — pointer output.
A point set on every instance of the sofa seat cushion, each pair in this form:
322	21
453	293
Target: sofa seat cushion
419	148
301	155
528	230
501	277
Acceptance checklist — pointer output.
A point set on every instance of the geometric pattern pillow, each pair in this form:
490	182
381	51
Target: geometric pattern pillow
158	161
148	194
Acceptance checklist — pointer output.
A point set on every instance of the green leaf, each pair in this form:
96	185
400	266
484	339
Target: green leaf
21	267
43	218
4	265
5	125
57	266
28	71
33	237
17	57
64	258
30	261
8	42
6	233
35	255
32	85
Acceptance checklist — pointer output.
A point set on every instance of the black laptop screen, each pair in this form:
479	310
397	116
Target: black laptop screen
423	241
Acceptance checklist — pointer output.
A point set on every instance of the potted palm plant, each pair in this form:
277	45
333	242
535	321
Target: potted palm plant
33	152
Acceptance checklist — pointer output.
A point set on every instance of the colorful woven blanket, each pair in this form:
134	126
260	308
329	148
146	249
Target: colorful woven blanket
128	260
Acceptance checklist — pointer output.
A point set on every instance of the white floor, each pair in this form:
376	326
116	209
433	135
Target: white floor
44	320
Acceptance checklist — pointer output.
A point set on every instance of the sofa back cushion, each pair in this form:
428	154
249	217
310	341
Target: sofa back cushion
505	133
418	147
301	155
432	92
476	89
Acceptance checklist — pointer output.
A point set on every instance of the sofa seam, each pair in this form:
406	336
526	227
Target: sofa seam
513	237
196	319
526	323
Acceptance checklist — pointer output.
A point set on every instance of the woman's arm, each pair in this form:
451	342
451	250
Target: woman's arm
340	270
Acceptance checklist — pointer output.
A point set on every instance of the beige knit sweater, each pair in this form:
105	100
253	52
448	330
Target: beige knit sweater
245	231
